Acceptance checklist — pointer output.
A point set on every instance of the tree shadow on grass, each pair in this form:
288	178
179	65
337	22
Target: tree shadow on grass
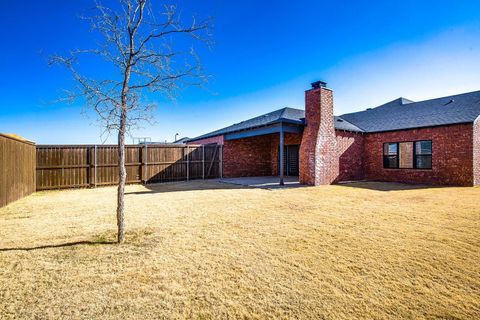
61	245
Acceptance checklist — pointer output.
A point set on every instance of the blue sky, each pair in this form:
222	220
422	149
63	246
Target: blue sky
265	56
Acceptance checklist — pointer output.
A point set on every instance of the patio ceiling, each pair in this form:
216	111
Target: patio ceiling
264	130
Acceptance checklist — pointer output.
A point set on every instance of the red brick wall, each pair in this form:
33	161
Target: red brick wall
452	156
350	152
216	139
255	156
476	152
248	157
319	163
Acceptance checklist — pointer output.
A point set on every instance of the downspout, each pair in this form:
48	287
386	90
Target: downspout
476	151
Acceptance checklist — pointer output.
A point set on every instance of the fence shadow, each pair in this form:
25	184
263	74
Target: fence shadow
388	186
61	245
192	185
196	162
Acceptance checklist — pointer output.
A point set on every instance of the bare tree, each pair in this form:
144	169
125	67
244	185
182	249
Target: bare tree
146	52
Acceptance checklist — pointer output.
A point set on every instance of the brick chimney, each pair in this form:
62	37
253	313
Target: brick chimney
319	162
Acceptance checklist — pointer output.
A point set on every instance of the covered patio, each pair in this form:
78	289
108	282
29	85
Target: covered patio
264	146
256	152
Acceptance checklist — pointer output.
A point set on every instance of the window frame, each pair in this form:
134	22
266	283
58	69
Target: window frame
414	156
390	155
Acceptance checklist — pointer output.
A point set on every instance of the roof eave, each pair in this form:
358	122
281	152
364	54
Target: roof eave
280	120
422	127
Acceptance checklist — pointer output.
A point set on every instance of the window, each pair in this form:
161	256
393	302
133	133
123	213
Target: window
423	154
407	155
390	155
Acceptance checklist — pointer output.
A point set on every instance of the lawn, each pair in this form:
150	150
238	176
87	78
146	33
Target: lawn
210	250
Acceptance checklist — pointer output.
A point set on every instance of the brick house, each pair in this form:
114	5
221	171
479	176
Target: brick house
429	142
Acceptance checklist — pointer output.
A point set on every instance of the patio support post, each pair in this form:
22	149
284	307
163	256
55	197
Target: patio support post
220	156
281	155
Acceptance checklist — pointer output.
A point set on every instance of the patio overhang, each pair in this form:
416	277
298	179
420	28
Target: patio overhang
277	127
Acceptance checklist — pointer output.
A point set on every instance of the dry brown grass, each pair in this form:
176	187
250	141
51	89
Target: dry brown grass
209	250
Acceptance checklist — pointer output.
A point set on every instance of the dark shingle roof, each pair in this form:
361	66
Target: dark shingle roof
398	114
342	124
290	115
282	115
405	114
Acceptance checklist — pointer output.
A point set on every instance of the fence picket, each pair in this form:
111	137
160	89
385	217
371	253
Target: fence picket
91	166
17	168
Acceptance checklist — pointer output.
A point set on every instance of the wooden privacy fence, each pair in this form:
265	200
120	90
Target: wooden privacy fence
75	166
17	168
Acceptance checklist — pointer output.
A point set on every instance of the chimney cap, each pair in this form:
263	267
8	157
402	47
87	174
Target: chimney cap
319	84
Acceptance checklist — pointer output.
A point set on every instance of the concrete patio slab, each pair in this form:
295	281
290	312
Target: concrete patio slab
270	182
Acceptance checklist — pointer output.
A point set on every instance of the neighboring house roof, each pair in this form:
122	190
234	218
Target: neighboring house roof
181	140
405	114
398	114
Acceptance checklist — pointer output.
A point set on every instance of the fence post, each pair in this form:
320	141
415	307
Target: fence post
145	164
188	163
89	167
203	161
95	166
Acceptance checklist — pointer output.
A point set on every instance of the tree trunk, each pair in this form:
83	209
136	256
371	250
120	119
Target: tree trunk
122	178
122	172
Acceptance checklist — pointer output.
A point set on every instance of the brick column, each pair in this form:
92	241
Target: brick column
319	163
